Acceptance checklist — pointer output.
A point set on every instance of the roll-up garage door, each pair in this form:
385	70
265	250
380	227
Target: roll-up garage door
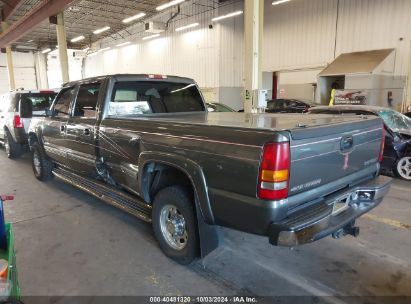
25	78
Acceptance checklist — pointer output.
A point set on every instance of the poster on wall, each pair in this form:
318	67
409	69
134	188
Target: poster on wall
349	97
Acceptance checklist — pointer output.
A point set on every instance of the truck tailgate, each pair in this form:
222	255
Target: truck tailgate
322	154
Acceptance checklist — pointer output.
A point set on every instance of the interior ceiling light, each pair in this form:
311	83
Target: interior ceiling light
279	2
77	39
31	40
103	29
105	49
45	51
227	16
135	17
169	4
182	28
151	37
124	43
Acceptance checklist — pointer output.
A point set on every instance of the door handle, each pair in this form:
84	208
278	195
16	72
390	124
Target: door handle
86	132
62	128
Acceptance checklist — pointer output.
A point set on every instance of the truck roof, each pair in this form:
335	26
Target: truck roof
130	77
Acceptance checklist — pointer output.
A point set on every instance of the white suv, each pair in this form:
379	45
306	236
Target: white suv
16	110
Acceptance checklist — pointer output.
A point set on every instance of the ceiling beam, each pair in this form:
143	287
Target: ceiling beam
9	8
34	17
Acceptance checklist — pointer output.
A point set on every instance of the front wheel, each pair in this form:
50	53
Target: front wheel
175	224
403	168
42	167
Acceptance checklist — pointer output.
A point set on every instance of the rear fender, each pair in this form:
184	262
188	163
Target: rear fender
192	170
209	234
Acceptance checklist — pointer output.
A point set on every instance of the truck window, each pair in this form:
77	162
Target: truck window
86	101
34	104
153	97
62	104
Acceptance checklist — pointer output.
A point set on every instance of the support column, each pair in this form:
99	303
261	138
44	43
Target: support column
62	44
253	29
10	66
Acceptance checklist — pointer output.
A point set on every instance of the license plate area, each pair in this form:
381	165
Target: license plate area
341	205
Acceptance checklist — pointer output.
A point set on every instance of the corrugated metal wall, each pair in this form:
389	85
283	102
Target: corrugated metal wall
298	35
376	24
231	47
308	34
191	53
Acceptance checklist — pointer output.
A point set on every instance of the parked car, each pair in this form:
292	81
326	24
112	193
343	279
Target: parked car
397	151
16	110
288	106
218	107
146	144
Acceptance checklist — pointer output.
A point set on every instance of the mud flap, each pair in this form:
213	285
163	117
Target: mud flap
210	235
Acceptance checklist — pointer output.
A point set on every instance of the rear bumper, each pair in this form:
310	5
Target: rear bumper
316	222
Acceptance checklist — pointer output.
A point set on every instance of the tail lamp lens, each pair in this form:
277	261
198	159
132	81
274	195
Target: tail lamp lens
274	171
18	122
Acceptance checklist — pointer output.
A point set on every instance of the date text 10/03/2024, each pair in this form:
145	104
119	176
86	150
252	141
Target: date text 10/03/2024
201	299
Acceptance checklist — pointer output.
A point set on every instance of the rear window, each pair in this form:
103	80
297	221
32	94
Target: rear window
40	101
154	97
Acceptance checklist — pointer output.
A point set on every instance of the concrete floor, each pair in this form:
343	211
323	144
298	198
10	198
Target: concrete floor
69	243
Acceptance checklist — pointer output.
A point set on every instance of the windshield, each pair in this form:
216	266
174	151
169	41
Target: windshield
154	97
394	120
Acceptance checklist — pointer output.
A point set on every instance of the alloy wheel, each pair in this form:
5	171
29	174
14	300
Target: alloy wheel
404	167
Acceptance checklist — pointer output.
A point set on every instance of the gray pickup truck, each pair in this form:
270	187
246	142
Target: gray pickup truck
146	144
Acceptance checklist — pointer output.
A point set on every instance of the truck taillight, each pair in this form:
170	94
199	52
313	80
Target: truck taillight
380	157
274	171
18	122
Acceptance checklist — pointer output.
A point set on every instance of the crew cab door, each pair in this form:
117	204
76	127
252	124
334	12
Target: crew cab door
54	127
81	129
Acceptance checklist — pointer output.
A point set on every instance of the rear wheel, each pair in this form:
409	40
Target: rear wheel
403	168
42	167
13	149
175	224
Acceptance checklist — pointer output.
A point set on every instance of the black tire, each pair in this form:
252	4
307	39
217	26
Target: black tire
13	149
42	167
179	197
